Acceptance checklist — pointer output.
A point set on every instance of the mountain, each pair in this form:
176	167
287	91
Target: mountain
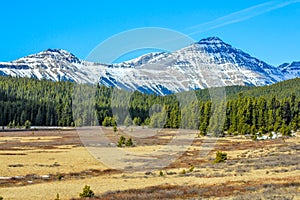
204	64
291	70
207	63
52	64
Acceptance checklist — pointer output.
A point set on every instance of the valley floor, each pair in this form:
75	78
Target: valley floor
40	164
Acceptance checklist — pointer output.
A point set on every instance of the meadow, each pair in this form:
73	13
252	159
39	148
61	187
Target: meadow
39	164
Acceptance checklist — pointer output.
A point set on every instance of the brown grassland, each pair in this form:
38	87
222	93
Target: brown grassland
42	163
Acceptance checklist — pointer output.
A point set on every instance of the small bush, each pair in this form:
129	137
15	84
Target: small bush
191	168
1	198
220	157
115	129
121	141
129	143
161	173
87	192
57	197
59	177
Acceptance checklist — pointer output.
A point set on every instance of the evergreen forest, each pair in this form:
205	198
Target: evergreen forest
228	110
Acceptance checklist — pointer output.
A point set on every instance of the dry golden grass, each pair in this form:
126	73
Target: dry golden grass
39	159
71	188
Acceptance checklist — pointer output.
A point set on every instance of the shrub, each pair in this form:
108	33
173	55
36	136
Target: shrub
161	173
57	197
115	128
1	198
121	141
59	177
129	143
191	168
87	192
220	157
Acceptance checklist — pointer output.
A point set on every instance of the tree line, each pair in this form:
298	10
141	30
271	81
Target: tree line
246	110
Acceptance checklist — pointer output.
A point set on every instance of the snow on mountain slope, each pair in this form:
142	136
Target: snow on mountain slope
55	65
291	70
207	63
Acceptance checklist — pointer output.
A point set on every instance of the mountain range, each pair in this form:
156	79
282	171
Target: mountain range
204	64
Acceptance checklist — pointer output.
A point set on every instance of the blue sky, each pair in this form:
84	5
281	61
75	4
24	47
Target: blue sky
268	30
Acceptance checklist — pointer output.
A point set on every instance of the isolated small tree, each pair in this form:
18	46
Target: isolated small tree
191	168
129	143
87	192
57	197
220	157
121	141
161	173
115	128
59	176
1	198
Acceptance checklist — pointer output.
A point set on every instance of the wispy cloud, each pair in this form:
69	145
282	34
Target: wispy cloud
241	15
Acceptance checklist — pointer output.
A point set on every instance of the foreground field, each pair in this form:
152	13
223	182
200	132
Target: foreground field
41	164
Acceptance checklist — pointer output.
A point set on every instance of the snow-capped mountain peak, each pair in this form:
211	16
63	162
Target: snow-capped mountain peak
51	64
207	63
211	40
291	70
50	55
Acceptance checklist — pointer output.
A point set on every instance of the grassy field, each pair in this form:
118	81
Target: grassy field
40	164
